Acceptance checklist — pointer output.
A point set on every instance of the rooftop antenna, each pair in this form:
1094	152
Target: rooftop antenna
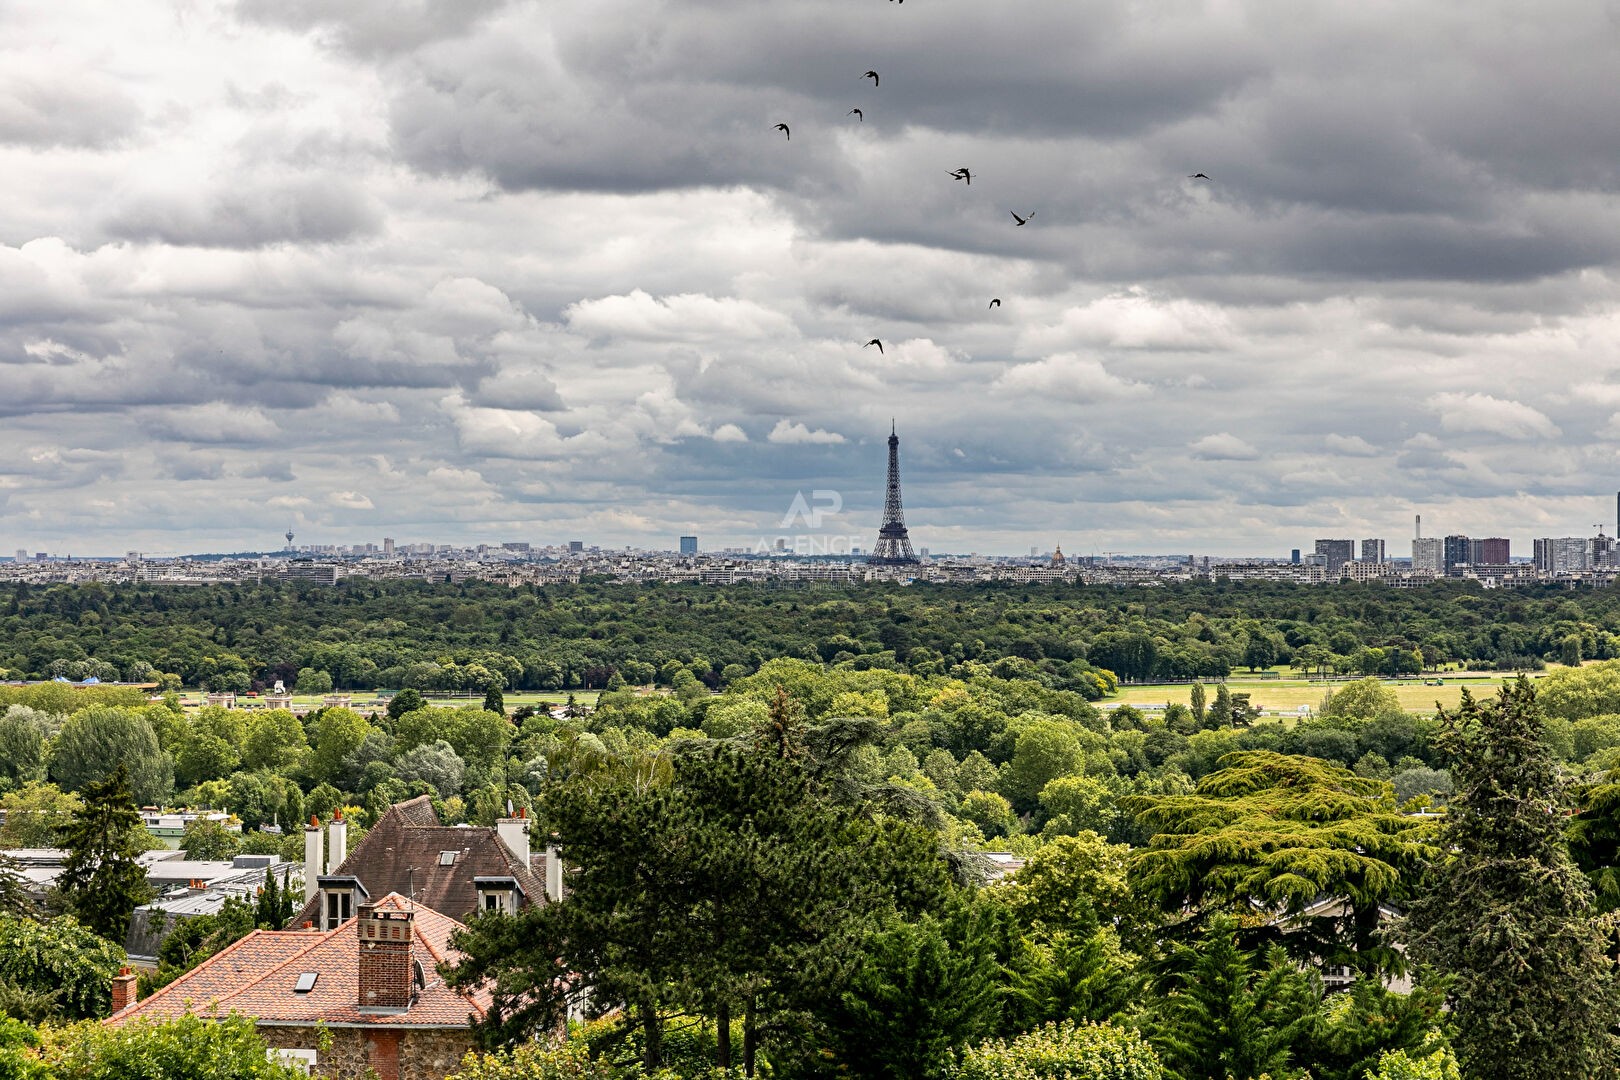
410	884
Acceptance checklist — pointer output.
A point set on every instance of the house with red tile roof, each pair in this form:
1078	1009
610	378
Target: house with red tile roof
366	995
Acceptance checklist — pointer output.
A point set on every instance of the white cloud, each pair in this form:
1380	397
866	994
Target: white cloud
1068	376
1491	415
1351	446
798	434
215	422
505	268
349	500
684	317
1222	446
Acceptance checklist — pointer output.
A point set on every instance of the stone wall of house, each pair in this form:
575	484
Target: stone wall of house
432	1054
390	1054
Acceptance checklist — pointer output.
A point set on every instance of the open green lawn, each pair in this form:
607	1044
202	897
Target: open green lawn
366	701
1288	694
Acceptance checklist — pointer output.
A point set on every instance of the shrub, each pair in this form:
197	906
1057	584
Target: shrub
1440	1065
1068	1050
542	1061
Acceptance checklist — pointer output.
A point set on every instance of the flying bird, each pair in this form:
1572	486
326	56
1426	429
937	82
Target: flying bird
963	174
1021	220
874	341
783	128
1198	176
874	77
996	302
857	114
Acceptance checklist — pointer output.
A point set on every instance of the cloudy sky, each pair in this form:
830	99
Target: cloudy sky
484	270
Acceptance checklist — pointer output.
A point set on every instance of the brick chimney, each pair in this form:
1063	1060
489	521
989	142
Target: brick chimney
312	857
386	978
124	991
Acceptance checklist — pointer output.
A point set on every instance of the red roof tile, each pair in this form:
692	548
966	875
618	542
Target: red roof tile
256	976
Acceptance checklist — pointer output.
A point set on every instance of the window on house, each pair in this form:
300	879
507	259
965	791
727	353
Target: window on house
302	1060
447	858
492	901
306	982
339	908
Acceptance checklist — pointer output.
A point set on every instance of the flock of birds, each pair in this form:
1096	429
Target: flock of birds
963	174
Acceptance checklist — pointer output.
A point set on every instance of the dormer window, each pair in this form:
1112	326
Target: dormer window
498	894
341	895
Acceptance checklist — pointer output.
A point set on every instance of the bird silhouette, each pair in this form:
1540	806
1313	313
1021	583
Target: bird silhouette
874	341
963	174
996	302
857	114
1198	176
876	82
783	128
1021	220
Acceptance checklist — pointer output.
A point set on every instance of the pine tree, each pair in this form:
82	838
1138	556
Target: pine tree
14	898
1231	1012
1508	915
101	883
1220	714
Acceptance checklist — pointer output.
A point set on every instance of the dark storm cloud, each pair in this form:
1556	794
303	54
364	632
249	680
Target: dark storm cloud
546	267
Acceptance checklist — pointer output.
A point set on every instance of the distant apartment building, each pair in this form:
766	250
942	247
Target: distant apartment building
1457	551
689	545
1492	551
1562	555
1429	555
520	547
1601	550
1372	551
388	546
576	547
1336	553
312	571
1368	570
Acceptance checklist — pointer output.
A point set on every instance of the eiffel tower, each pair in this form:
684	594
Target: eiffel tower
894	544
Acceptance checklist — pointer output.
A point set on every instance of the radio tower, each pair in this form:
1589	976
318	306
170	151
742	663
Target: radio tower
894	544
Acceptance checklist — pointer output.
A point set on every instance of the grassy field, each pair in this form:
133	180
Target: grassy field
367	702
1286	695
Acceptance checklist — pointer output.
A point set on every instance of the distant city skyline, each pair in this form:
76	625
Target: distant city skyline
513	269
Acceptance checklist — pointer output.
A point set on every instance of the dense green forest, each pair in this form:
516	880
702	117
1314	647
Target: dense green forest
777	855
366	634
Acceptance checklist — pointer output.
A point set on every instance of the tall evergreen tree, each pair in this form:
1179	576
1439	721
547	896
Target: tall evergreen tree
1230	1012
1199	702
14	898
1508	915
101	883
495	701
1220	713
